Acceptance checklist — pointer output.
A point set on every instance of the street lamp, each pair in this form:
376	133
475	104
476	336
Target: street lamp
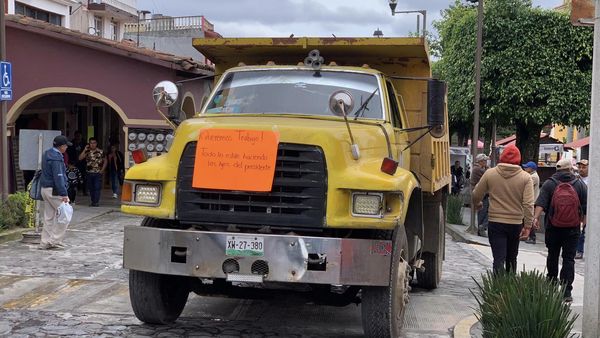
394	3
475	137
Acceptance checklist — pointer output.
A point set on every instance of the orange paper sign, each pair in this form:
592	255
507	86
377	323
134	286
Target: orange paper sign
234	159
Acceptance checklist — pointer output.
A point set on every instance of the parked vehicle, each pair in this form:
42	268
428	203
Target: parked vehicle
326	179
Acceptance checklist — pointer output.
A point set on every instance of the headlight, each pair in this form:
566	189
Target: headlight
367	204
147	194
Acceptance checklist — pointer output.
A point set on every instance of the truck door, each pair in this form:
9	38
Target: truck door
400	138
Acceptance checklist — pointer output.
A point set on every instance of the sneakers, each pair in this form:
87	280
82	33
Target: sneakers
530	241
568	299
579	255
115	196
48	246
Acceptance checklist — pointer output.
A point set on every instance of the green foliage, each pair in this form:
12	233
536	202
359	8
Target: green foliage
12	211
523	305
536	66
454	210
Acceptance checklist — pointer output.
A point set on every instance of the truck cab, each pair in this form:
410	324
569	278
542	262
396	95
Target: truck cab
319	164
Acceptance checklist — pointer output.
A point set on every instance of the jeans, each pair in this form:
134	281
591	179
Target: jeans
72	191
504	240
114	181
564	239
581	241
482	215
94	185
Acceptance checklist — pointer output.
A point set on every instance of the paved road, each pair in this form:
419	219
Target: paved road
82	291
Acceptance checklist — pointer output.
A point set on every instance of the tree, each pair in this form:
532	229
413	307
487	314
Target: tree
536	68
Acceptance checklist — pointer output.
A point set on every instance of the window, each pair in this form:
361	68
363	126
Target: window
395	111
38	14
98	25
114	31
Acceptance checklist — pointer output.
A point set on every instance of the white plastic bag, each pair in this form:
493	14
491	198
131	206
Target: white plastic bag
64	213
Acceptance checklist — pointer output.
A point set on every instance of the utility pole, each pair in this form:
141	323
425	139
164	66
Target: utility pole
3	110
475	137
591	292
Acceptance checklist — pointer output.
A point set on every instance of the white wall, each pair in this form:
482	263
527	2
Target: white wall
57	7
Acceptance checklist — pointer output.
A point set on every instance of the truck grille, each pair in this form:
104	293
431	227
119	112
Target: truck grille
297	199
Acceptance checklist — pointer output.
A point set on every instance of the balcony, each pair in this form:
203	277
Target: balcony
167	23
113	8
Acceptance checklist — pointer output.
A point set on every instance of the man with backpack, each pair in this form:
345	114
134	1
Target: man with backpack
563	198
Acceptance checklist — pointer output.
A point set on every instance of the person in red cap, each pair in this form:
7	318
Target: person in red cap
511	207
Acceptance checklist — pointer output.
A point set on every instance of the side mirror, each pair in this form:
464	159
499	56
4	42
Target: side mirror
341	98
436	107
165	94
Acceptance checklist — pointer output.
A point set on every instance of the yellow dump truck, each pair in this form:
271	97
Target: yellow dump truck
317	165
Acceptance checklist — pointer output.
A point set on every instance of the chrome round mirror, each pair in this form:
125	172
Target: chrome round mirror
165	94
339	99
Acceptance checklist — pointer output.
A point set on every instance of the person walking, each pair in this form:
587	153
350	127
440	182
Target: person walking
116	169
457	177
511	201
531	168
54	192
73	152
95	166
479	168
582	166
563	198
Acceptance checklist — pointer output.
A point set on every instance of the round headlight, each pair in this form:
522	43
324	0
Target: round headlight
160	137
150	147
160	147
131	146
141	136
141	146
150	137
132	136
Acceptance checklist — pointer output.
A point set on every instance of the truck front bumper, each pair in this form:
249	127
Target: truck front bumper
286	258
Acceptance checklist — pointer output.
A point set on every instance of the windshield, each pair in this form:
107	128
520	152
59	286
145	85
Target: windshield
295	92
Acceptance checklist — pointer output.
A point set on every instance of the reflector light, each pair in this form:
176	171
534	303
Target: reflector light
126	192
139	156
389	166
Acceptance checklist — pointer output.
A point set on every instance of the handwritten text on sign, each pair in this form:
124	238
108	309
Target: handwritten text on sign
234	159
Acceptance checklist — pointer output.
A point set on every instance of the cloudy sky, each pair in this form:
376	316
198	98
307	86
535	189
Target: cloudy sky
280	18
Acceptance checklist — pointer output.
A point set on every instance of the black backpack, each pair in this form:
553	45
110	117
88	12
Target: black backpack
35	187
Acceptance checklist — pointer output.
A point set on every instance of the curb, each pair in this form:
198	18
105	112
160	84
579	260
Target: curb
463	328
458	233
14	234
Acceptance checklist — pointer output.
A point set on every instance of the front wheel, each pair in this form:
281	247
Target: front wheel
383	307
157	298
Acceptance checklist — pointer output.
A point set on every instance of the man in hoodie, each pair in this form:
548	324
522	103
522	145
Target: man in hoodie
54	192
482	215
565	206
511	207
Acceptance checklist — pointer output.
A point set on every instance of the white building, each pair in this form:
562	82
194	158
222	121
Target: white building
105	18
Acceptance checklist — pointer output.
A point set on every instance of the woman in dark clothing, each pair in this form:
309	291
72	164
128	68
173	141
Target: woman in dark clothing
116	169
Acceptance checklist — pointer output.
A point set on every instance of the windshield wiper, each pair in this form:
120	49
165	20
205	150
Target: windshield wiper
363	107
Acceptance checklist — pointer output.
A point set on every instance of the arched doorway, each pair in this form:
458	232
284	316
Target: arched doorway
68	110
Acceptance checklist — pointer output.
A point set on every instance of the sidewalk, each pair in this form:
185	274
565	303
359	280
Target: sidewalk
82	212
531	257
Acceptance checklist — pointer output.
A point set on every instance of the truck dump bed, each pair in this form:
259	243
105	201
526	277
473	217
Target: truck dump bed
407	57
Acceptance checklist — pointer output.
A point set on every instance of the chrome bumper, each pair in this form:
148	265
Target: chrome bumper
296	259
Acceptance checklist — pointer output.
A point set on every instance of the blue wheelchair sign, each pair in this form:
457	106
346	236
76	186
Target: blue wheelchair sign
5	81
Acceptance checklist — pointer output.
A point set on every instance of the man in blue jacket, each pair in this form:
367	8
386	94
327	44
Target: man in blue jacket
54	192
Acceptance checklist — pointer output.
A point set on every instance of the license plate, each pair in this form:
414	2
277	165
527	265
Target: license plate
244	246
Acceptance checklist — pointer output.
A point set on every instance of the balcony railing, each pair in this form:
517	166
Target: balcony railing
168	24
115	4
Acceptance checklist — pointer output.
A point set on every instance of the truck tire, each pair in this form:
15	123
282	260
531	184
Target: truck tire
430	277
156	298
383	307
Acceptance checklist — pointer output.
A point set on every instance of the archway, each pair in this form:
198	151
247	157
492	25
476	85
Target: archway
188	106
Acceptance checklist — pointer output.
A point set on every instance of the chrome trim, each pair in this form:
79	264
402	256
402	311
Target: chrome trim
348	261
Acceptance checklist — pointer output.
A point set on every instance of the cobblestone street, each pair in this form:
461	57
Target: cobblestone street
82	291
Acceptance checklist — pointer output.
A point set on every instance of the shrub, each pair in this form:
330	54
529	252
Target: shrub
13	211
523	305
454	210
